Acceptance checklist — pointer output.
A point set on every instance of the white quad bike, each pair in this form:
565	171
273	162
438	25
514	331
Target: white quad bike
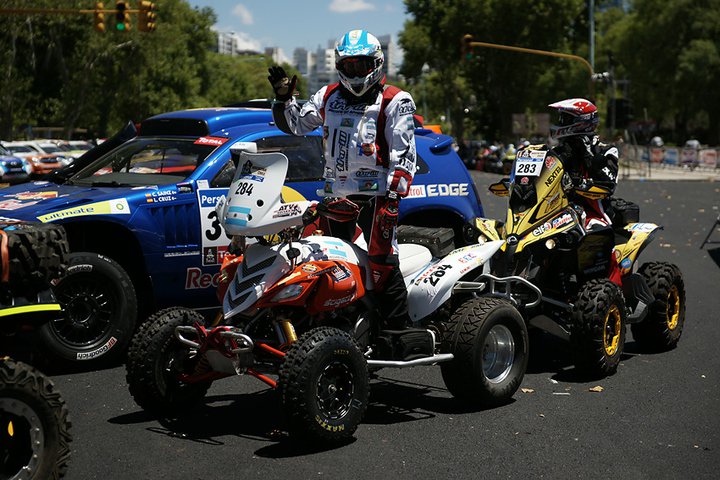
299	315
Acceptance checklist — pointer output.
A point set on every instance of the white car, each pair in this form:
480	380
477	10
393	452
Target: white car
73	148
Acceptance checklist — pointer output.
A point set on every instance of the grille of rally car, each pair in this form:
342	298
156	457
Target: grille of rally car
255	268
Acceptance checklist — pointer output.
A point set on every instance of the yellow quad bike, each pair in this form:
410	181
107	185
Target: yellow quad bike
579	285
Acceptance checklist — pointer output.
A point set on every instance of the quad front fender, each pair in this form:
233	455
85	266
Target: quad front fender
433	285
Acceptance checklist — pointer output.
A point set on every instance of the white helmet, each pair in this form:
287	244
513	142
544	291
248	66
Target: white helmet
577	116
359	61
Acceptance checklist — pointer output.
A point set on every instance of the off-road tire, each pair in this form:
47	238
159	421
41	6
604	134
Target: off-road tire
150	373
100	312
38	413
597	332
37	254
324	386
478	329
663	326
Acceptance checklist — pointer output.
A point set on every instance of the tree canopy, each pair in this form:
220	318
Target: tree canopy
665	57
57	70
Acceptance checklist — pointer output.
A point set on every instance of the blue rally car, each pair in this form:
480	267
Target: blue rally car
143	230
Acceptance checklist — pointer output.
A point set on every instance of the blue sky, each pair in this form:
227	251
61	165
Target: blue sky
304	23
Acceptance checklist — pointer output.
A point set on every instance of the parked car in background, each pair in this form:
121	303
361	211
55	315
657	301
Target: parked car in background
142	225
41	163
73	148
13	169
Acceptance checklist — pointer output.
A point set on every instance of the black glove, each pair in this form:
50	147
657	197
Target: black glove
310	215
570	182
281	84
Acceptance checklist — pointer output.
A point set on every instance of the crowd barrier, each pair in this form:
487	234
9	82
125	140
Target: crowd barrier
703	158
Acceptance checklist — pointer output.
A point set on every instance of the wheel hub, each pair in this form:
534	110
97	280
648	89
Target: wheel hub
498	354
26	437
612	330
89	307
81	309
335	389
673	308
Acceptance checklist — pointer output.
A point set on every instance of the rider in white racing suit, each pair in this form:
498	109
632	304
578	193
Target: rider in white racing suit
369	142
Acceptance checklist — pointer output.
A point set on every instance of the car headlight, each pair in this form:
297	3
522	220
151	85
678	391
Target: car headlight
27	167
291	291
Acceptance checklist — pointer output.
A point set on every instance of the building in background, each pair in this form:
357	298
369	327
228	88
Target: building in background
230	43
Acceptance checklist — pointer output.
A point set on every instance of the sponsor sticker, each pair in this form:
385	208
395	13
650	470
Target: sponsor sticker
309	268
287	210
563	219
14	204
36	195
338	301
213	141
214	239
369	186
367	149
196	279
161	196
367	173
641	227
96	353
110	207
439	190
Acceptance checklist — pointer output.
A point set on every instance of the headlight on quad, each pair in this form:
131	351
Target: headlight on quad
291	291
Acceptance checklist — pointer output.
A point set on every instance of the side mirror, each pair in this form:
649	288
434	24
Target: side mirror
501	188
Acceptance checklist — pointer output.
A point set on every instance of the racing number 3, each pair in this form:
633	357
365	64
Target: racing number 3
215	230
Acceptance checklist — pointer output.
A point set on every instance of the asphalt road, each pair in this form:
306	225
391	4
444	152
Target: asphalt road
658	417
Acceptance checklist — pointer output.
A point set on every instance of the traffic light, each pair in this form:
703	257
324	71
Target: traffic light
99	17
146	16
466	52
622	108
122	16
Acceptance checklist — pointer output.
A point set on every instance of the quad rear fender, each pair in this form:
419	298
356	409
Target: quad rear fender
433	285
641	236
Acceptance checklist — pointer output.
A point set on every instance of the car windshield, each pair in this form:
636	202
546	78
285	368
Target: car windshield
20	149
50	148
145	161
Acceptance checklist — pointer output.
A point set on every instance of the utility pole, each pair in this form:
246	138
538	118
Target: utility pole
591	11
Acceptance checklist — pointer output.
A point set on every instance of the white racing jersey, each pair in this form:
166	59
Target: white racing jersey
357	160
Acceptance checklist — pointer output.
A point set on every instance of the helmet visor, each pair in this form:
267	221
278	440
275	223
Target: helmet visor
566	119
354	67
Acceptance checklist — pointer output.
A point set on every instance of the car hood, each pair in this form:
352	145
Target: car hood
40	200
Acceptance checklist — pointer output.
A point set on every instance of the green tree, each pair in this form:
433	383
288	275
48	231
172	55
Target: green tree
56	70
485	91
671	54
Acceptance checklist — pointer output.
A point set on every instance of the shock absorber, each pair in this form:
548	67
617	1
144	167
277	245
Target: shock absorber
285	331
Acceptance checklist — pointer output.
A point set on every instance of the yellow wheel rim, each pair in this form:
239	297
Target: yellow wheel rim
673	308
613	325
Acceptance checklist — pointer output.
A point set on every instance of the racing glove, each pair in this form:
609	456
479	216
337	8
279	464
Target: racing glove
399	183
387	215
281	84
